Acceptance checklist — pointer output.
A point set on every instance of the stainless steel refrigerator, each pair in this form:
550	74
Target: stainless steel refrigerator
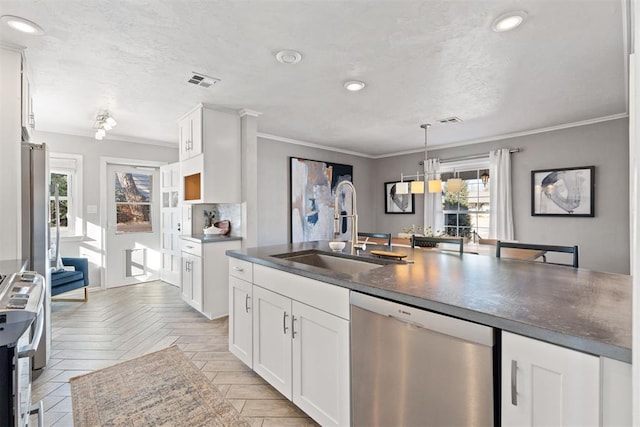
35	231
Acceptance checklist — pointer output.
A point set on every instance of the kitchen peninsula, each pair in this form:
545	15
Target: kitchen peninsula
578	311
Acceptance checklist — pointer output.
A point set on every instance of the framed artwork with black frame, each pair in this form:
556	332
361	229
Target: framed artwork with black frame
395	203
563	192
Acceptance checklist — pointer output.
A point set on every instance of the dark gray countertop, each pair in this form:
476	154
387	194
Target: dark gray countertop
210	238
575	308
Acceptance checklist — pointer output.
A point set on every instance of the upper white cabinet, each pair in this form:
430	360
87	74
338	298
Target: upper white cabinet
190	128
210	156
547	385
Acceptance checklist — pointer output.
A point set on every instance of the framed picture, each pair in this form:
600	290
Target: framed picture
397	203
563	192
313	184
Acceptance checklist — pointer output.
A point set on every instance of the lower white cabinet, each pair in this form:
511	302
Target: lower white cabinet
191	282
303	352
241	320
294	332
205	273
547	385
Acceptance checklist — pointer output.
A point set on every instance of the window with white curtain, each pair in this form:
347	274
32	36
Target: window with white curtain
466	213
65	170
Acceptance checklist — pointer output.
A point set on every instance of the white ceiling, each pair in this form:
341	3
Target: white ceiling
422	61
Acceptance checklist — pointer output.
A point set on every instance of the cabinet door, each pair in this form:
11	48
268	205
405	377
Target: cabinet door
195	119
185	280
196	282
240	320
547	385
184	129
272	339
321	365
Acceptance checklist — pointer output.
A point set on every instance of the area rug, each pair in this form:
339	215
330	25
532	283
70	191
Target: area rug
159	389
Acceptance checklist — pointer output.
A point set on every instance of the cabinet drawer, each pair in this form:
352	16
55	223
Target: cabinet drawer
241	269
190	247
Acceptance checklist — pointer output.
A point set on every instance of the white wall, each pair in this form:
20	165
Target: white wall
91	151
274	193
603	240
10	135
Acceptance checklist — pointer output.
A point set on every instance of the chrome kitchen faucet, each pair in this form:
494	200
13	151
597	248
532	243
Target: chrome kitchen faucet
354	216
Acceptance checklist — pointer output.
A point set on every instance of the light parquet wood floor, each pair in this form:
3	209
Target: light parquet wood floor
122	323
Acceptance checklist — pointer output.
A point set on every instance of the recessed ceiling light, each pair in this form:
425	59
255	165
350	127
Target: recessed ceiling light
508	21
289	56
354	85
22	25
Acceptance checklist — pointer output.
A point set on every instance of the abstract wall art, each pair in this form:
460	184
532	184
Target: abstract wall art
395	203
563	192
313	185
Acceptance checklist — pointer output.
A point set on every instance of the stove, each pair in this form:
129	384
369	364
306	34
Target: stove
21	323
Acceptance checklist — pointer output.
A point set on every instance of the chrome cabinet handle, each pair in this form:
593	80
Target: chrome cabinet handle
293	326
189	247
514	382
284	323
246	303
240	269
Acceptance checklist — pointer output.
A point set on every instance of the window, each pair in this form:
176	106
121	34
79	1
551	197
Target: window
133	202
65	171
467	212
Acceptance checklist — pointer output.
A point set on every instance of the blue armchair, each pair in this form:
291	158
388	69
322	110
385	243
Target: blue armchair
65	281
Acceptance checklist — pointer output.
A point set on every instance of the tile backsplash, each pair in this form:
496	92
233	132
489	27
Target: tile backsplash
222	211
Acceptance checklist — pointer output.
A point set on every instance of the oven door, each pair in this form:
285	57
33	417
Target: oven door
27	346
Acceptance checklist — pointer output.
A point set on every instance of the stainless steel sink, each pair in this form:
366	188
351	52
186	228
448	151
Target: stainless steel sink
335	262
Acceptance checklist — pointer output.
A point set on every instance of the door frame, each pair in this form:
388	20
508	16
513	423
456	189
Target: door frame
104	162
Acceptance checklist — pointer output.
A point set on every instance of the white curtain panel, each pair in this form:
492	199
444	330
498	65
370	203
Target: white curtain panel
433	216
501	206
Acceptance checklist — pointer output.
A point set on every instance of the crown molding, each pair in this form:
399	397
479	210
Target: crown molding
312	145
246	112
508	135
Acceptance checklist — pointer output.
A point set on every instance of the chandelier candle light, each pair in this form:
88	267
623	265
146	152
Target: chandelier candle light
417	187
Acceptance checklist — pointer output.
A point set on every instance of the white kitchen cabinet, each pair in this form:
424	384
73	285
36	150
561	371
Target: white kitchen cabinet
320	364
301	342
192	280
272	339
241	319
210	153
205	275
241	310
547	385
190	134
27	116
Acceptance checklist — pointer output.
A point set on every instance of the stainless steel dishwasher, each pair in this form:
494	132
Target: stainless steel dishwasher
411	367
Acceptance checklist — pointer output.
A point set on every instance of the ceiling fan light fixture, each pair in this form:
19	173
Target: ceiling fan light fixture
354	85
508	21
23	25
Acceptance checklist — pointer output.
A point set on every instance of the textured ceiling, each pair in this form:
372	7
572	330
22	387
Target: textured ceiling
422	61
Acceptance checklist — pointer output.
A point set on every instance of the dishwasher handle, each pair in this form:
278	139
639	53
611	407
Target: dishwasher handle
461	329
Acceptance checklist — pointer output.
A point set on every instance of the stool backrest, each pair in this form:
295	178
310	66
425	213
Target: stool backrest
543	248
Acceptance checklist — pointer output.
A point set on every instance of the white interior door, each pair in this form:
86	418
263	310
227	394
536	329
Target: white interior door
133	251
170	232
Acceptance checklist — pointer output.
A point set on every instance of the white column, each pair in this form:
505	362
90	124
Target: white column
249	138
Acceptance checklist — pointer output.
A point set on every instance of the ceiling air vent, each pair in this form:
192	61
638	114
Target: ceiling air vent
450	120
200	79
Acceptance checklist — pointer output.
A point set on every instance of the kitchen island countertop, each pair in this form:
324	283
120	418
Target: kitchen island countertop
576	308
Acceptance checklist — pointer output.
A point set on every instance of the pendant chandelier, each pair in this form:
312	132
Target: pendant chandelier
434	185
